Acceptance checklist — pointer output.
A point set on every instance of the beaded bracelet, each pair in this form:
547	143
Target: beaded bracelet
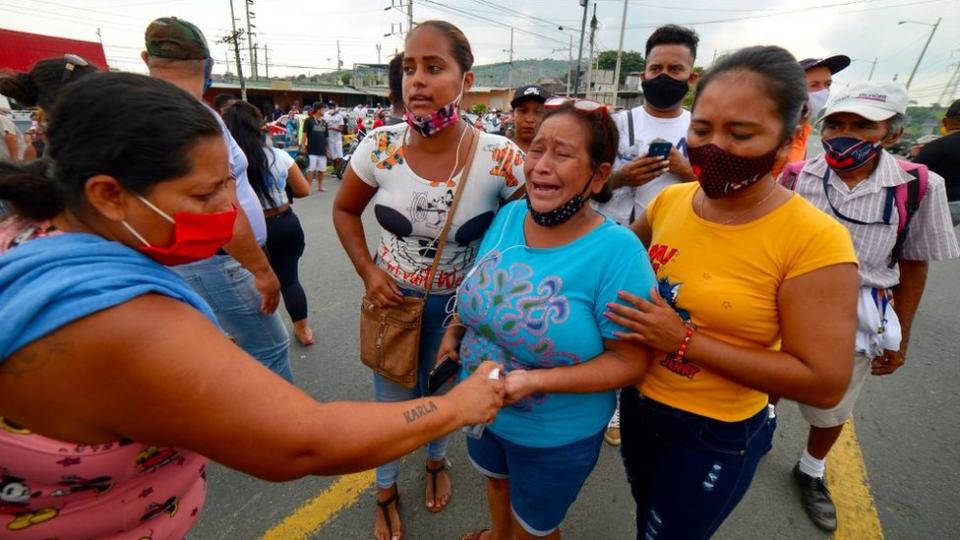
682	351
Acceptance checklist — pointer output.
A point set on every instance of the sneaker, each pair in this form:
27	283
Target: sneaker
612	436
816	500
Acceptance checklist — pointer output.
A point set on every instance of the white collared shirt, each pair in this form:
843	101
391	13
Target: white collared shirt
930	236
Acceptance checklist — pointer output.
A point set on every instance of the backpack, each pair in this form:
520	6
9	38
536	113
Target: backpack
905	197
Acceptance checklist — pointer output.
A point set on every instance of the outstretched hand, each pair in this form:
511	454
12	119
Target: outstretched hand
654	324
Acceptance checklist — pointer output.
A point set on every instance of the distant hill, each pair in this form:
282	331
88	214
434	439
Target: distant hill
524	72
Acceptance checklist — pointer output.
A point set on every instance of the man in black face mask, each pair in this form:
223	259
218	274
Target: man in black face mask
642	171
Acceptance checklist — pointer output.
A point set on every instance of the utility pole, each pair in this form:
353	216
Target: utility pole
924	51
569	65
872	68
339	62
100	37
409	16
250	45
510	65
593	35
378	53
616	71
583	29
234	38
226	57
266	59
951	88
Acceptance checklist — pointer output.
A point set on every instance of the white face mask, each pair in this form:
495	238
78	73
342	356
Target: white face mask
816	101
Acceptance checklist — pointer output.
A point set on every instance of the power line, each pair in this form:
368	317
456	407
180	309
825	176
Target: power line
458	11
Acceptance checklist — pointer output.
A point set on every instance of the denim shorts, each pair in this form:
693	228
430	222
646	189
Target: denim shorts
544	482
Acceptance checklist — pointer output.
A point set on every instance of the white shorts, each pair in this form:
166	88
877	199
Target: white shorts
334	148
317	163
841	412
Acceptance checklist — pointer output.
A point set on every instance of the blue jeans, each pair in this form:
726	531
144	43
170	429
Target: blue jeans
431	332
686	472
229	289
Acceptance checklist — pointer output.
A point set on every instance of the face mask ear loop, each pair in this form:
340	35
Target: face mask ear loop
153	207
135	233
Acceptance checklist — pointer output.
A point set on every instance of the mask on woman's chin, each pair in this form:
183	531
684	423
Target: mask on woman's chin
437	121
562	213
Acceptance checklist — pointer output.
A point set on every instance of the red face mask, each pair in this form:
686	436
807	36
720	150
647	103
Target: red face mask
721	173
195	236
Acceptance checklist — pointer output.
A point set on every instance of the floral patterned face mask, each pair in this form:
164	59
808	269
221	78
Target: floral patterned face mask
436	121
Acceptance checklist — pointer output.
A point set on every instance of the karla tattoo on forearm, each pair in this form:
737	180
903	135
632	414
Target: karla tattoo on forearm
419	412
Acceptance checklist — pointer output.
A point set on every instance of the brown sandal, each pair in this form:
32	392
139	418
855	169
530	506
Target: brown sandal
385	509
474	535
433	472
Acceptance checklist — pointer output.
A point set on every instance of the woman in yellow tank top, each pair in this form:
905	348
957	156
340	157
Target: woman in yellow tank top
757	296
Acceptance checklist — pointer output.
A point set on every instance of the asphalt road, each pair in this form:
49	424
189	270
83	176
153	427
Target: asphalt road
906	424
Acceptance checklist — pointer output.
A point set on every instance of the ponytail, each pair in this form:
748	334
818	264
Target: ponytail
29	189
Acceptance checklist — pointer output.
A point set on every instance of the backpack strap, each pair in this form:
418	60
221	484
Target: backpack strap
630	127
907	198
790	174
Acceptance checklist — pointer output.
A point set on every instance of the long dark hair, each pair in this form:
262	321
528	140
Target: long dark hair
40	85
134	128
243	120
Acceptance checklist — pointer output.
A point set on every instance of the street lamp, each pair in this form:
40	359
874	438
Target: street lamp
925	45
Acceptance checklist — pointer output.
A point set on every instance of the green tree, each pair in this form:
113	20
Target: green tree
479	109
345	77
629	62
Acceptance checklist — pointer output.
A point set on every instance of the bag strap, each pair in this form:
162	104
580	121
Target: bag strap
630	126
791	172
907	197
464	174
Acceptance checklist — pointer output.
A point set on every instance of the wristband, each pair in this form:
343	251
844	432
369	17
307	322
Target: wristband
682	351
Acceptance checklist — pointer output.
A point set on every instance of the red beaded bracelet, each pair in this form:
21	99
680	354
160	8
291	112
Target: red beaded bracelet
682	351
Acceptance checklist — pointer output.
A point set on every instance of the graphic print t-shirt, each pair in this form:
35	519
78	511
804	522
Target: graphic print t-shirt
537	308
634	200
725	280
411	210
316	136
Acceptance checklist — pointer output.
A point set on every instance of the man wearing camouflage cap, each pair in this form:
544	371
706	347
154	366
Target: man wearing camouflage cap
232	281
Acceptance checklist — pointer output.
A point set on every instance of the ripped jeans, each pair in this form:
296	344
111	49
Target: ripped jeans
686	472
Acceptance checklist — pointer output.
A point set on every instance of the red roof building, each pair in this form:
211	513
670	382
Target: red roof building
19	51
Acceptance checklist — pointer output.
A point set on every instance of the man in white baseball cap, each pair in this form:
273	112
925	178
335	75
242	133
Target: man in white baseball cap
897	215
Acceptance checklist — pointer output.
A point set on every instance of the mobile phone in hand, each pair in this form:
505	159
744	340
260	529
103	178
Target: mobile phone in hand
660	149
441	373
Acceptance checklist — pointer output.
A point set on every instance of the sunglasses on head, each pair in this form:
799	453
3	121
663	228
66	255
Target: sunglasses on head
72	61
583	105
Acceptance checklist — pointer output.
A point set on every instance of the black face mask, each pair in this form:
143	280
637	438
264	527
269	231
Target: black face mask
562	213
663	91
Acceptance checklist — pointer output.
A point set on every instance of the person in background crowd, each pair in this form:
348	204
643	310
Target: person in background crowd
11	139
638	176
854	181
314	144
238	281
380	119
395	82
562	365
276	113
116	385
942	156
222	101
819	73
409	173
527	105
741	309
336	126
270	171
361	129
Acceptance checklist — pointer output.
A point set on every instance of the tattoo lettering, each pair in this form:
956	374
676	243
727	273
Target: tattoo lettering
419	412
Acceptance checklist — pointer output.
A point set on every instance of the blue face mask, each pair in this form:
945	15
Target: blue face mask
845	154
207	72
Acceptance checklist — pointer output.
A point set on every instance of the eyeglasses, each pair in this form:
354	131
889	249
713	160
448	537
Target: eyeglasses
584	105
72	62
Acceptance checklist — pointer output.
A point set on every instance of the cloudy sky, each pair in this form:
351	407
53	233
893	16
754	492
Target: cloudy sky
302	36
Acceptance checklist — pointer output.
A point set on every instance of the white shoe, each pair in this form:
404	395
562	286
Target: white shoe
612	436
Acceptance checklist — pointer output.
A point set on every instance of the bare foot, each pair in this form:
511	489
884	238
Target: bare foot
303	333
437	477
388	525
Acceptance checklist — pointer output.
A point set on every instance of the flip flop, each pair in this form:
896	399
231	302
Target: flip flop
474	535
433	472
385	509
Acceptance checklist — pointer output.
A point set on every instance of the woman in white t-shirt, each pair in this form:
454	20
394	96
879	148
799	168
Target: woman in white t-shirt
271	172
410	172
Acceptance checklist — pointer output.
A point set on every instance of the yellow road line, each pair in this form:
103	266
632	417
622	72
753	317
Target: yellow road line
307	519
857	517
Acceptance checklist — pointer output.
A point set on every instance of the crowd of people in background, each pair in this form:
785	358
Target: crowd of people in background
591	273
